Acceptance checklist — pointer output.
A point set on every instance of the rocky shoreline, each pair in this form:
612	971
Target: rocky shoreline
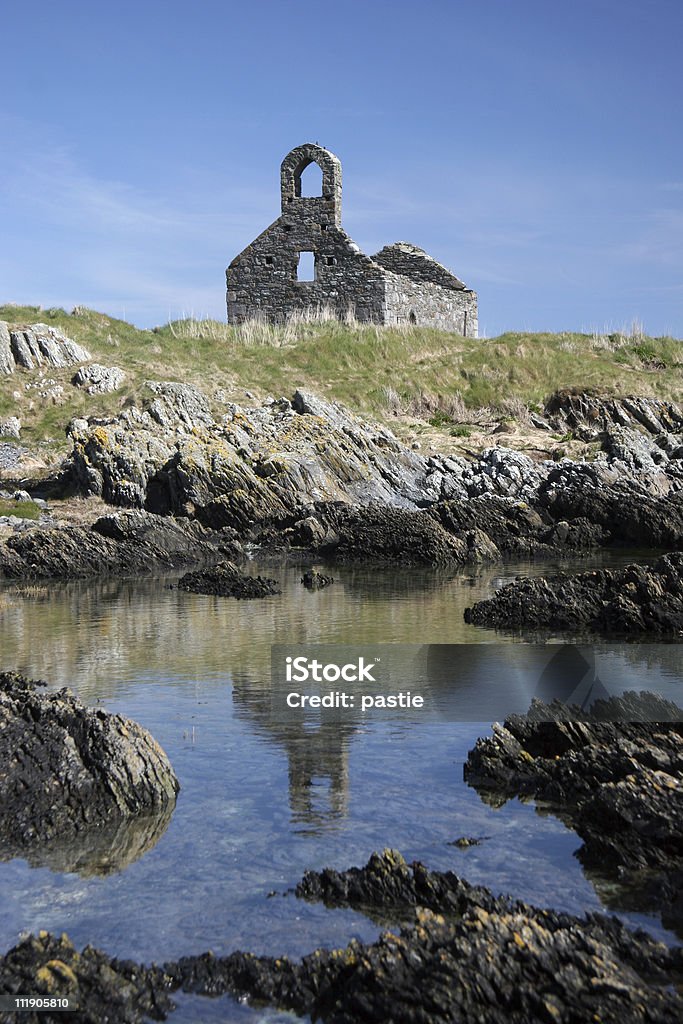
308	480
464	954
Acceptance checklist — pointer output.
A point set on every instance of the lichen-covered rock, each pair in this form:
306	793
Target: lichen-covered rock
11	427
476	958
226	580
66	769
98	380
99	988
642	600
37	345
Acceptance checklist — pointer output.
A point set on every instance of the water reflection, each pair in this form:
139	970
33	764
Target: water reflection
99	850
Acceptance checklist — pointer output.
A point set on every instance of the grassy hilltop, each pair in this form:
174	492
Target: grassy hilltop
418	380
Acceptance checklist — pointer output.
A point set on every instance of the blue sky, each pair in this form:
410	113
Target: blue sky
534	147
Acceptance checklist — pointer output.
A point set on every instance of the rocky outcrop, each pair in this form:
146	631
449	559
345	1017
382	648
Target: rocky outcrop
247	468
226	580
477	958
67	770
637	600
614	774
37	345
97	379
99	988
377	533
590	414
121	544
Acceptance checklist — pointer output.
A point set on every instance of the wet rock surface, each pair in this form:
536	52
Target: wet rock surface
226	580
478	958
124	543
614	774
637	600
66	769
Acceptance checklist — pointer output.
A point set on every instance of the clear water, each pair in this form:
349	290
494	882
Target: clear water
263	800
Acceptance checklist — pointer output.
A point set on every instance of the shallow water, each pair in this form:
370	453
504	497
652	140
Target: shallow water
264	798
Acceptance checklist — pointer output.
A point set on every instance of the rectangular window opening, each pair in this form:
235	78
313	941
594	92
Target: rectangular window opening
305	270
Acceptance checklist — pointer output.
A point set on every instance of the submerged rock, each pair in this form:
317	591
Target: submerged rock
66	769
636	600
614	774
226	580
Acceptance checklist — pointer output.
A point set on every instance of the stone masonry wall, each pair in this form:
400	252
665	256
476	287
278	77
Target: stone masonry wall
430	305
262	281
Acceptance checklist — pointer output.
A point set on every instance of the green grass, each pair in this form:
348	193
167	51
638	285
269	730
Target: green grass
20	509
388	373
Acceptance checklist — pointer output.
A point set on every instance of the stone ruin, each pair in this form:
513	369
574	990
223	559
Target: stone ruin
305	262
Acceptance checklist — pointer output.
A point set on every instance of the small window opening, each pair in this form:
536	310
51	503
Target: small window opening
311	181
331	261
323	227
269	261
412	317
305	270
286	227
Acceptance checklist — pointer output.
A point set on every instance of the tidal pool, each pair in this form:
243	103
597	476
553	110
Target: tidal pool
265	796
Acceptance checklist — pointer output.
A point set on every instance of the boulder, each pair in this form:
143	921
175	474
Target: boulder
66	770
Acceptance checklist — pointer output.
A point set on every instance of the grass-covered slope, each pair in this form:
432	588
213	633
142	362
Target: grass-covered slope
403	376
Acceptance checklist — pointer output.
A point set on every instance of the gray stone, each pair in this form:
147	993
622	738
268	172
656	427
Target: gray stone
11	427
38	345
7	363
400	285
98	379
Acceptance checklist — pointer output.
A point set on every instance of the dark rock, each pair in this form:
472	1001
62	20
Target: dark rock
103	989
642	600
313	580
615	779
477	958
121	544
379	533
226	580
66	770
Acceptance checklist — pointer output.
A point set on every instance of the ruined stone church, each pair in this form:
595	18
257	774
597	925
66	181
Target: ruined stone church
306	261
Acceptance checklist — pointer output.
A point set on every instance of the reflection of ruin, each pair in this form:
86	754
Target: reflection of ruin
317	749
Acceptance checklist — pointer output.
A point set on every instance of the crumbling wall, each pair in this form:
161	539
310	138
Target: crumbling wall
429	305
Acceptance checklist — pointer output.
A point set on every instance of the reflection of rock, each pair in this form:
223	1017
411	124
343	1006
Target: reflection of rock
314	580
66	770
103	850
613	774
